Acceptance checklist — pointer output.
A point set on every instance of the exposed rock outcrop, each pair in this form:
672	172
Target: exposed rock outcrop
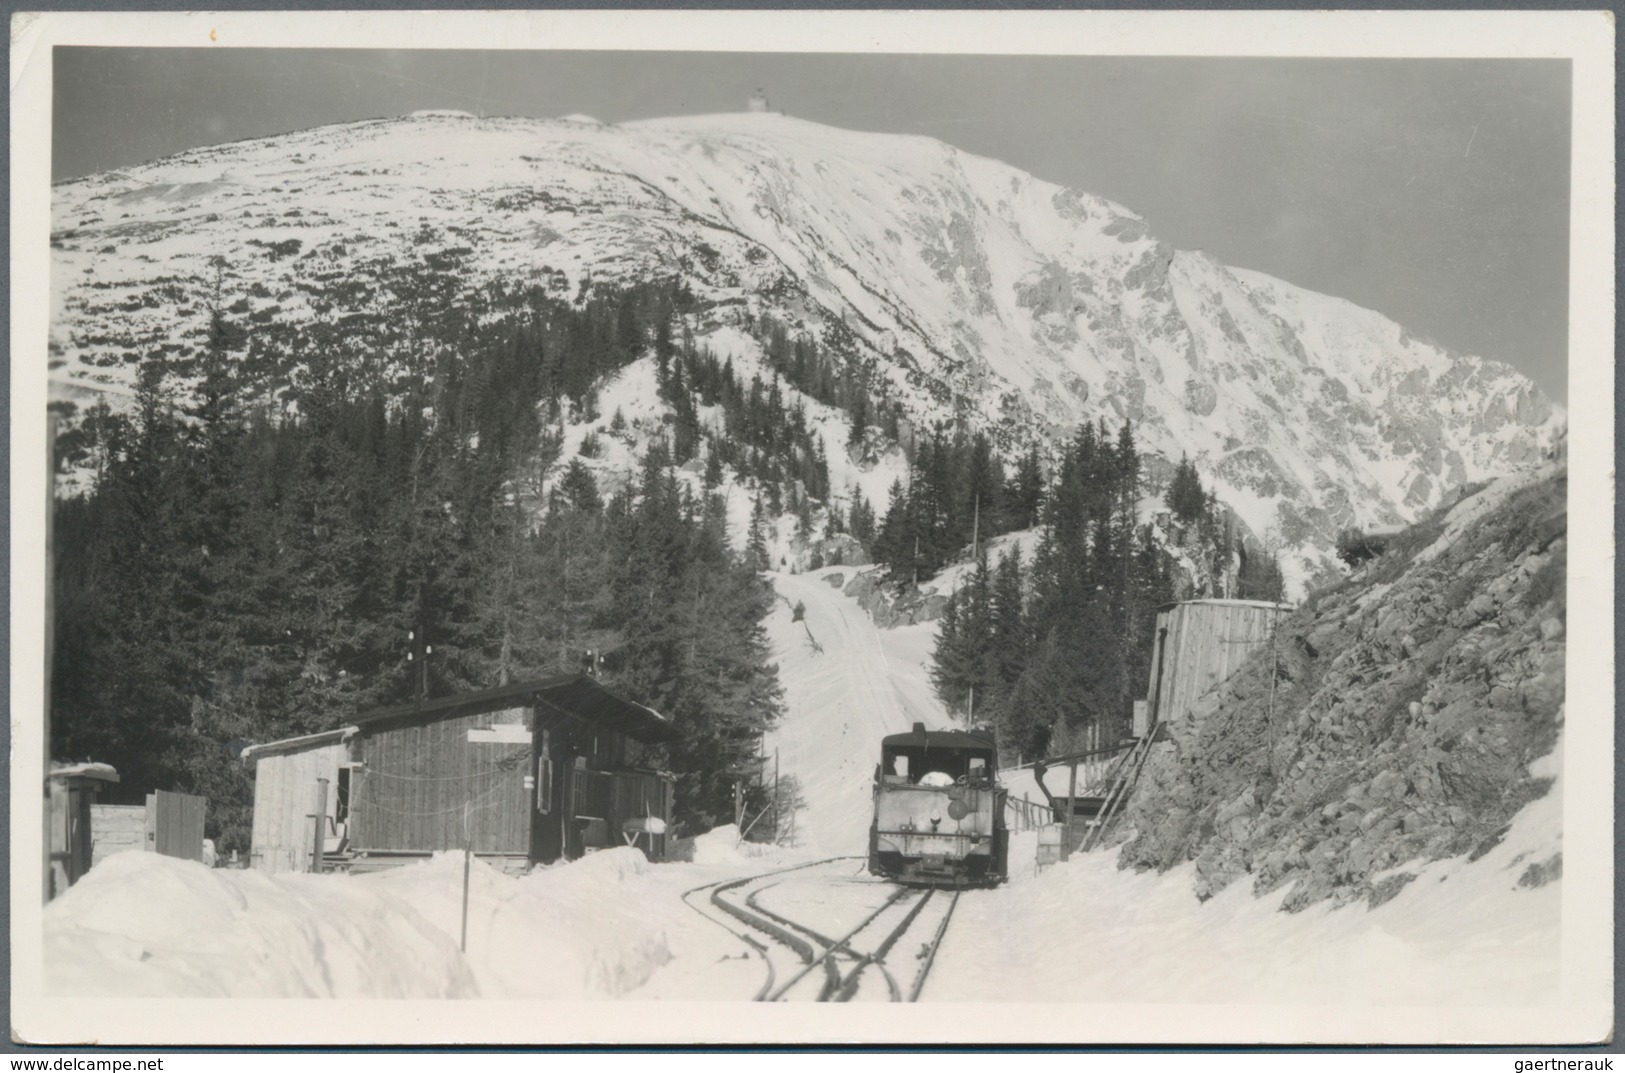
1394	721
890	608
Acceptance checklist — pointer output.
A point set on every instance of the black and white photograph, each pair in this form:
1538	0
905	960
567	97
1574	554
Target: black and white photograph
755	527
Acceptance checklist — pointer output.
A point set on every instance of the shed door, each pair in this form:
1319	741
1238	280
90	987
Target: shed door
547	814
178	825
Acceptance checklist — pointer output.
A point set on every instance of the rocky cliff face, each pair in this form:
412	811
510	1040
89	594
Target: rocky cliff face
1394	721
968	289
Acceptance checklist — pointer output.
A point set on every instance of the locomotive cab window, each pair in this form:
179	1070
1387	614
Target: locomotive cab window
915	764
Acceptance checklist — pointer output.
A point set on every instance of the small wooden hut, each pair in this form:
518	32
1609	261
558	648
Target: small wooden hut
288	795
524	773
1200	644
70	791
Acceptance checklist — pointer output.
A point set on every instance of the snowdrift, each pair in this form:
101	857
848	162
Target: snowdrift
140	924
1461	933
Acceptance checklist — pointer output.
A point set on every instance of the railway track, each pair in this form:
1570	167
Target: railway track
813	962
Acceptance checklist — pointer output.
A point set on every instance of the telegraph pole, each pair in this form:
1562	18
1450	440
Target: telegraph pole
418	647
976	527
419	654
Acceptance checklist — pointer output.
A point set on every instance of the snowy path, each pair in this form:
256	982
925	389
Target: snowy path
842	694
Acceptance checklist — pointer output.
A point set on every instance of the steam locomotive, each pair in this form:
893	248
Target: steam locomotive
938	810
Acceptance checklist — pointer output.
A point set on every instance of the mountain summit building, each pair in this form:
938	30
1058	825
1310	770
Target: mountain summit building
526	773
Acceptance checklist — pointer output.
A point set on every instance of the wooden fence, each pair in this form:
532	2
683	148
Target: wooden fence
177	824
116	829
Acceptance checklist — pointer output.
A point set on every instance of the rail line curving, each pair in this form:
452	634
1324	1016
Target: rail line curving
845	959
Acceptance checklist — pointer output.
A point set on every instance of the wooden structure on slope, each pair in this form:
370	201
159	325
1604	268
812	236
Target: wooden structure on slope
1200	644
524	773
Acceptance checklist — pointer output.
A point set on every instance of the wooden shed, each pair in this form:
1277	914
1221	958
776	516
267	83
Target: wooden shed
1199	644
70	792
289	794
525	773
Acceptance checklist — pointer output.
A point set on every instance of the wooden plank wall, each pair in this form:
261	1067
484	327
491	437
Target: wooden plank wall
1206	643
284	796
116	829
180	825
68	855
636	796
420	777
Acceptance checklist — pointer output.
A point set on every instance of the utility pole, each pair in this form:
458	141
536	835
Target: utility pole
418	647
468	859
976	527
1269	714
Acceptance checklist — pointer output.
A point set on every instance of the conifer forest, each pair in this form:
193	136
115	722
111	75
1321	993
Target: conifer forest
291	526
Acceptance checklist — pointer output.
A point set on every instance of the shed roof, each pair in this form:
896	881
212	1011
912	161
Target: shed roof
289	744
1269	605
88	769
578	695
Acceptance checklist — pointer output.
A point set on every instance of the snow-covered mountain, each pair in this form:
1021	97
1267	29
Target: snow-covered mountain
970	289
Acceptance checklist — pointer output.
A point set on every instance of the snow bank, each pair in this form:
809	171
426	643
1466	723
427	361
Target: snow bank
721	846
567	931
142	924
1461	933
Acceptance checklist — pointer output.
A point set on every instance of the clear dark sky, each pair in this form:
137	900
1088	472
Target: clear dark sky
1433	191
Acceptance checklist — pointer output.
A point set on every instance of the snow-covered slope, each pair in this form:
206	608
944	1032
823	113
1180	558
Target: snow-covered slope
971	289
847	685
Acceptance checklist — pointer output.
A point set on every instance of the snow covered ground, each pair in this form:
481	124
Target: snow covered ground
847	685
1461	934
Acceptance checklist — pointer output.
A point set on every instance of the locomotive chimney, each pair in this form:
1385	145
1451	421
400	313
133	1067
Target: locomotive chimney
919	728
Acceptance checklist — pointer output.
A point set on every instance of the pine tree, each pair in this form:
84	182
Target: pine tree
1024	497
1187	500
756	553
862	520
860	419
895	543
578	489
1010	636
949	671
